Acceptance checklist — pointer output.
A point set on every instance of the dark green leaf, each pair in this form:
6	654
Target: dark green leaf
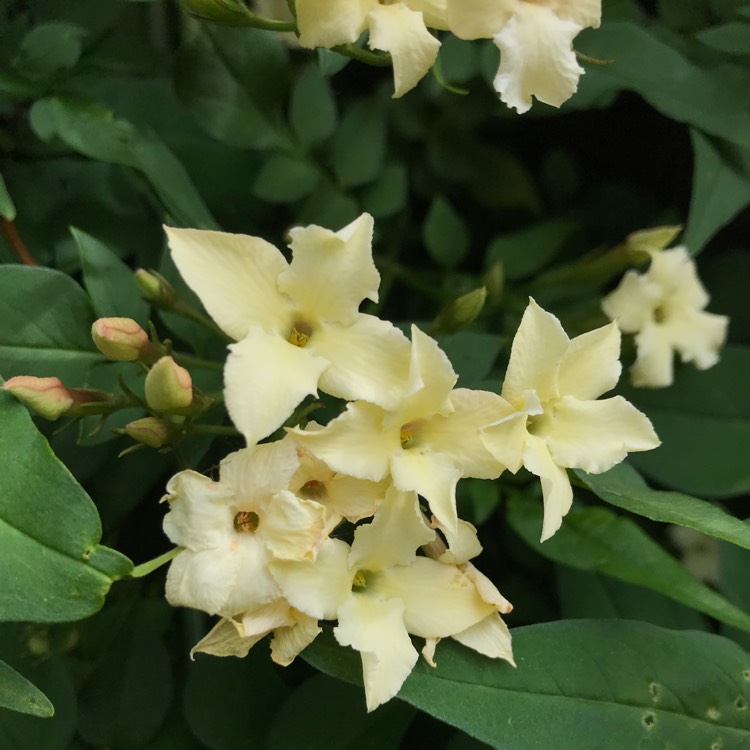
732	37
312	109
93	130
582	685
735	584
388	194
50	47
472	354
285	179
445	234
45	325
358	147
597	540
623	486
7	207
703	420
721	188
49	531
323	713
109	281
18	694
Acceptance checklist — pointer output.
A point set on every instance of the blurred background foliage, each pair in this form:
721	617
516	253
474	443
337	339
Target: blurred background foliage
117	116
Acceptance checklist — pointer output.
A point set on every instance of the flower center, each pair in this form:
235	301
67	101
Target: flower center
660	314
246	522
407	435
360	580
313	490
300	333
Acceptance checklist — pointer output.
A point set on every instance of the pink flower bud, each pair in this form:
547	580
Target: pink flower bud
150	431
120	339
168	386
45	396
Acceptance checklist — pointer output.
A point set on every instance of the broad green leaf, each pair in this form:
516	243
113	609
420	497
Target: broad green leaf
48	48
445	234
233	81
222	693
459	60
472	354
732	37
18	694
7	207
668	81
582	685
52	566
109	281
388	194
734	583
285	179
329	206
45	325
358	146
721	188
703	420
312	108
324	713
95	131
624	487
597	540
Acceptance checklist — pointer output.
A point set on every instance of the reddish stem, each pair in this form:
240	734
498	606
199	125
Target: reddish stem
16	243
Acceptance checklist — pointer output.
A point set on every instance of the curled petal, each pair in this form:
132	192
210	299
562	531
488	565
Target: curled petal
225	639
537	58
265	378
591	364
489	637
292	528
402	32
289	642
505	440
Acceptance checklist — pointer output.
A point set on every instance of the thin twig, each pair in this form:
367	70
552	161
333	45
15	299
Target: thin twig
16	243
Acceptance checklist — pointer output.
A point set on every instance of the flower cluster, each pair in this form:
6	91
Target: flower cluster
534	38
356	521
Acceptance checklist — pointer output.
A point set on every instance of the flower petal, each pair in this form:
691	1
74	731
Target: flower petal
631	304
289	642
265	379
654	364
225	639
327	23
235	278
369	360
537	58
262	620
292	528
489	637
591	364
538	346
505	440
594	435
317	587
556	489
697	336
354	443
332	272
432	476
397	530
457	435
354	499
375	628
477	19
402	32
463	545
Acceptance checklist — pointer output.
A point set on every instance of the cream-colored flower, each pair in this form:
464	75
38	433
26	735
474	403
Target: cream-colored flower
535	41
427	442
232	528
664	307
553	383
381	591
297	325
399	28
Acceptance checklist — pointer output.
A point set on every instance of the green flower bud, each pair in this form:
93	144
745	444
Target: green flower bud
648	240
169	387
461	312
120	339
154	288
149	431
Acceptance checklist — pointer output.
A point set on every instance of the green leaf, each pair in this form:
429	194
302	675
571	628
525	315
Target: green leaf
285	179
472	354
52	562
7	207
734	584
324	713
732	38
312	109
18	694
582	685
108	281
95	131
445	234
597	540
233	81
358	147
48	48
221	693
624	487
45	325
703	420
388	194
721	188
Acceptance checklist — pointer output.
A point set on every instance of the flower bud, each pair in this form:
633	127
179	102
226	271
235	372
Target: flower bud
649	240
120	339
494	281
461	312
149	431
168	386
48	397
154	288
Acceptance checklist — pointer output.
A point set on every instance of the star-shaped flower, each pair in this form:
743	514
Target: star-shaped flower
553	383
297	325
664	307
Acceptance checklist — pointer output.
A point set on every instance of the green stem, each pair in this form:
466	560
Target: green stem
382	59
214	429
181	308
411	279
139	571
188	360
